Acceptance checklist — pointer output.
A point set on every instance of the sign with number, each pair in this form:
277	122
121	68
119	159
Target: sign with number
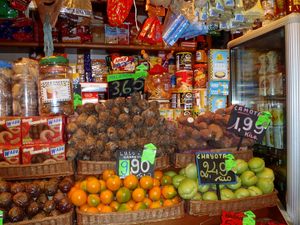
212	168
242	122
132	162
122	85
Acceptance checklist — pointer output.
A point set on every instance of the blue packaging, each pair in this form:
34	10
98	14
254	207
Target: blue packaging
218	88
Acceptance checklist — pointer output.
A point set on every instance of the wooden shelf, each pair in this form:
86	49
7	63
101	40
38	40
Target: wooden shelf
97	46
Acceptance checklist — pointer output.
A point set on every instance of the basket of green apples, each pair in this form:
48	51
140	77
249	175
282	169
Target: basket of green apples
254	189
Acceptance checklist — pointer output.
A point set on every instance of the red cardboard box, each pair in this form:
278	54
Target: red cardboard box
10	155
10	131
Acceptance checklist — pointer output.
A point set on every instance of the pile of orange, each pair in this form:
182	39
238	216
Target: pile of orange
109	193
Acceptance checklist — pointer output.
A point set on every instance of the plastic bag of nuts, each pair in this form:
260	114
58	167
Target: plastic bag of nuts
5	89
24	88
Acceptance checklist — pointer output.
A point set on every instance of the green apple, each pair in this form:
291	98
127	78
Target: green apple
266	185
182	172
241	193
177	179
197	196
254	191
187	188
203	187
248	178
191	171
266	173
214	186
210	196
241	166
227	194
170	173
235	186
256	164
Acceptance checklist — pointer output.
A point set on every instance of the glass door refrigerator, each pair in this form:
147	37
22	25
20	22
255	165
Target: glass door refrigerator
265	75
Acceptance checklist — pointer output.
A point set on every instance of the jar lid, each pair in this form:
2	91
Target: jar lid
53	60
4	64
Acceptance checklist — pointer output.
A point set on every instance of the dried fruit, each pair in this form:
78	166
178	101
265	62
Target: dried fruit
4	186
17	187
66	184
5	199
42	200
51	187
21	199
33	209
49	206
64	205
58	196
16	214
33	189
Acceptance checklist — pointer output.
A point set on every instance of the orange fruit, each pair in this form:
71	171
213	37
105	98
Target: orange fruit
106	208
92	210
107	174
131	203
169	191
156	182
123	195
124	208
139	206
147	202
158	174
79	197
138	194
168	202
100	206
93	186
175	200
106	196
155	205
131	182
102	185
71	191
84	208
93	200
77	184
115	205
146	182
91	178
113	183
83	185
166	180
154	193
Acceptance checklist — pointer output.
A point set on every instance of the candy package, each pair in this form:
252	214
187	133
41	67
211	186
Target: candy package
6	11
117	11
20	5
77	7
151	32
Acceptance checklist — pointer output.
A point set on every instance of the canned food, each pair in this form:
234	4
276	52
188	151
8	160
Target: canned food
278	132
184	61
263	85
200	98
277	114
174	100
184	80
200	75
183	100
201	56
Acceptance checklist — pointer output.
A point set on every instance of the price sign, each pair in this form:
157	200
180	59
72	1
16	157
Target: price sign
139	163
122	85
212	168
243	122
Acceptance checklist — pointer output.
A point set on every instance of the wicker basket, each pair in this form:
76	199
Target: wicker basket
95	168
134	217
66	219
213	208
39	170
183	159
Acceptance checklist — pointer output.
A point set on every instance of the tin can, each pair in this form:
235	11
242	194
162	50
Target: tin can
200	98
174	101
200	75
270	136
278	132
271	88
186	100
263	85
184	80
277	111
201	56
184	61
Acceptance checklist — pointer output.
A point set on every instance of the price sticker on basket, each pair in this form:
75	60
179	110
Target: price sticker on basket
136	162
123	85
1	217
246	122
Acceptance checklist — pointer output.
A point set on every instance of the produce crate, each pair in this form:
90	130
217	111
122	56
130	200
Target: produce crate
214	208
183	159
134	217
66	219
39	170
96	168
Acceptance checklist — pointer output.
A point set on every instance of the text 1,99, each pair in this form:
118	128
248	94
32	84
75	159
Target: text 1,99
246	124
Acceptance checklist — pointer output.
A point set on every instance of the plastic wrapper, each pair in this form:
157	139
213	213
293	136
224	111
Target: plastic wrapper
118	11
164	3
186	8
254	12
6	11
20	5
200	3
99	70
77	7
5	89
195	29
152	31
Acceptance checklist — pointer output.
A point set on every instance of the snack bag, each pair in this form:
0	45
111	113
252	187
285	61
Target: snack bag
117	11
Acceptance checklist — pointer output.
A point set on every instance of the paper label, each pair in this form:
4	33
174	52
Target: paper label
55	90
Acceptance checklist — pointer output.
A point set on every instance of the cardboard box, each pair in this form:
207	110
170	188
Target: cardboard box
10	155
218	64
218	87
10	131
216	102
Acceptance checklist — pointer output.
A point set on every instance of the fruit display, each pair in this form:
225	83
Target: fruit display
120	124
253	179
207	131
35	199
110	193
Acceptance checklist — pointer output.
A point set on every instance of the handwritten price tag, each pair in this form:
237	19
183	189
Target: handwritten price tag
212	168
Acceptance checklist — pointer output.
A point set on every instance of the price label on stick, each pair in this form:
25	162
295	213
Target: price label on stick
246	122
215	168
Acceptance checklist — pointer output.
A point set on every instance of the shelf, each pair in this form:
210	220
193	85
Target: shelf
97	46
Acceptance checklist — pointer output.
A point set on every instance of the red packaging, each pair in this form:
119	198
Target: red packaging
20	5
10	131
10	155
43	153
43	130
122	64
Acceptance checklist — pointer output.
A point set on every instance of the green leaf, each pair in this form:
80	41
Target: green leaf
264	119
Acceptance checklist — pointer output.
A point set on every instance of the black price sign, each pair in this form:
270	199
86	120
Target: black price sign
134	162
242	122
122	85
212	168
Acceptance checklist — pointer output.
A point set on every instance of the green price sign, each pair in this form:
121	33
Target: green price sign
124	167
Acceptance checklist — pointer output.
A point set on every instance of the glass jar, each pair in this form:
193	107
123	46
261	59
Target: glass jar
5	89
24	88
55	86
